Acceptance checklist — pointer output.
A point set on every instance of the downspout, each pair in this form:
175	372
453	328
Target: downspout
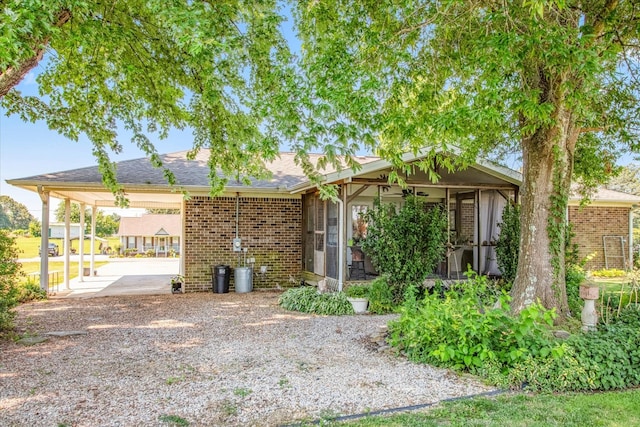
237	212
341	232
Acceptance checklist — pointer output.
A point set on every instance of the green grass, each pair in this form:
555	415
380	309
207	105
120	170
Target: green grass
34	267
29	245
599	409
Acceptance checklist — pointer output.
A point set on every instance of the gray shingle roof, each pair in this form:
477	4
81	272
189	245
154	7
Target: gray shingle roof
285	172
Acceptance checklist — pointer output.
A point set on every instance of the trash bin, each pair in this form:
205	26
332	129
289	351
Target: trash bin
243	279
221	276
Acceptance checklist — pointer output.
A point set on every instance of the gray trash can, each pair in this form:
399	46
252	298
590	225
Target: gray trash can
243	277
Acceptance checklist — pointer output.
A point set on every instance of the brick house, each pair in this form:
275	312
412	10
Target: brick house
286	228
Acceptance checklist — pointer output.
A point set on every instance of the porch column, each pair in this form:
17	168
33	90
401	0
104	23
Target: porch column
67	233
44	240
450	249
92	264
81	245
479	233
182	256
630	266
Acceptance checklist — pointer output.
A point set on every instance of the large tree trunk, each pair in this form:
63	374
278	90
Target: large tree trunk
10	77
547	168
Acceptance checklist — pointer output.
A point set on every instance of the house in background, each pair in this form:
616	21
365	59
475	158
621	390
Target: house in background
56	230
159	233
283	225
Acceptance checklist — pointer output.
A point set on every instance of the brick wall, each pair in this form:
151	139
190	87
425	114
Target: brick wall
270	228
590	224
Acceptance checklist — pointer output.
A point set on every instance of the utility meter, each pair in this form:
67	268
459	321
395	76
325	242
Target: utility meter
237	245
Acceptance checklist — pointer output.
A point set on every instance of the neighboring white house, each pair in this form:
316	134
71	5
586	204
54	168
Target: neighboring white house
157	232
56	230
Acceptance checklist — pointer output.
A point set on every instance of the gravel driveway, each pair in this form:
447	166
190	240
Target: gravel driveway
210	359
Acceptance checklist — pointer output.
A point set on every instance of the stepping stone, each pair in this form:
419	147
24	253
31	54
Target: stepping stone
65	333
32	340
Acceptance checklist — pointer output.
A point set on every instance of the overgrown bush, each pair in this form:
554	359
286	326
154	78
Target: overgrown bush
307	299
462	333
405	244
508	244
381	300
10	272
30	291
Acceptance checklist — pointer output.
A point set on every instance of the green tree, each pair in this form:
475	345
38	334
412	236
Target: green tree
14	215
628	181
106	225
554	80
10	271
147	66
405	244
35	228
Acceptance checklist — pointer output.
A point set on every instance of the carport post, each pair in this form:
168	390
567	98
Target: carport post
93	241
81	246
44	240
67	232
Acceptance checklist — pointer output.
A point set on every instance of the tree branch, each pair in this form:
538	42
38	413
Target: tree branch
10	77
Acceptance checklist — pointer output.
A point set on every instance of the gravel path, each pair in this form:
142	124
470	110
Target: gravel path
210	359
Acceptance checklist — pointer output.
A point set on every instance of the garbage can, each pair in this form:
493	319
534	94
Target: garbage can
243	277
221	276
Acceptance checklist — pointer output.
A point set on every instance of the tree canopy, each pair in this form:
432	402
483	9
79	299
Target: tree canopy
106	225
554	80
14	215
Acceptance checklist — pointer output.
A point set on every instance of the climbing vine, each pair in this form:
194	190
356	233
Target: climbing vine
556	225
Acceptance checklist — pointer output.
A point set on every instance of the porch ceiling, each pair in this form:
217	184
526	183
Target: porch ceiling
98	196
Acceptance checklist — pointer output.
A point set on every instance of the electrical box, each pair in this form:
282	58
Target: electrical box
237	245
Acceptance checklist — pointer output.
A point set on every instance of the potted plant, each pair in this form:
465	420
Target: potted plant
358	296
176	284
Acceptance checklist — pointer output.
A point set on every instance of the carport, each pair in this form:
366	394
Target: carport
84	187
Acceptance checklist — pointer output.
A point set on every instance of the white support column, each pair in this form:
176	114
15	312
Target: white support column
44	240
631	254
182	243
81	244
67	234
92	265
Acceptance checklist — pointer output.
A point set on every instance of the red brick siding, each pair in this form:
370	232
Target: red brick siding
467	220
270	228
590	224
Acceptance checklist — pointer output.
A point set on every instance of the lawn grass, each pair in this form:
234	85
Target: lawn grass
29	245
34	267
597	409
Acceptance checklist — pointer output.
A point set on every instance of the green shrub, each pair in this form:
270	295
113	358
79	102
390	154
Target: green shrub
357	291
574	276
460	332
10	272
508	244
307	299
30	291
381	299
407	244
602	360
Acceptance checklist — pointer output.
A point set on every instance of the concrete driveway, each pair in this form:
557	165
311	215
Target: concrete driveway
125	276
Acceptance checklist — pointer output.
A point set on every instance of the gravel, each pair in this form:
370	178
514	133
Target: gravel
209	359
